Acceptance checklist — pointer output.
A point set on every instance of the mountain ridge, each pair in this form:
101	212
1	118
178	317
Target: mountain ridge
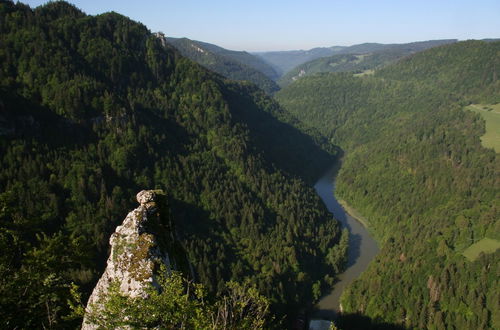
359	59
284	61
231	64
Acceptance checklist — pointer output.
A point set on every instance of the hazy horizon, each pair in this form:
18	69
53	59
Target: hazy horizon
261	26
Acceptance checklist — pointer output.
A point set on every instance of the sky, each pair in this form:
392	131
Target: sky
266	25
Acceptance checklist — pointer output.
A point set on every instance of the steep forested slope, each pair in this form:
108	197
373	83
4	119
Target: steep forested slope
94	109
231	64
243	57
415	167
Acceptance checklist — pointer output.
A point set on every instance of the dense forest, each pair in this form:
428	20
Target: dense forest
357	63
286	61
360	59
243	57
231	64
412	47
94	109
414	166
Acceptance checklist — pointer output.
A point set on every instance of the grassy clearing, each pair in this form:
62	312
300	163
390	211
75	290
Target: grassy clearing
365	73
491	115
486	245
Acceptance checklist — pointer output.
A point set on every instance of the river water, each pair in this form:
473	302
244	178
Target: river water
362	248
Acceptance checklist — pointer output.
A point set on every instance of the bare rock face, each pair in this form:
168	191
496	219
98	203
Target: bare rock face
146	196
134	256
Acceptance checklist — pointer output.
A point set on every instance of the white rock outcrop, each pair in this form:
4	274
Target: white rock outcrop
134	256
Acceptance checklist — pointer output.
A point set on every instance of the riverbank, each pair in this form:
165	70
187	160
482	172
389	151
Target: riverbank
362	247
354	213
332	173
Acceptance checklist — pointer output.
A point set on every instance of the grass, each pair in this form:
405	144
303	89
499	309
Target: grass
491	115
486	245
365	73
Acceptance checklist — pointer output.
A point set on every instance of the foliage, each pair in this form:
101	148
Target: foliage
356	63
292	60
283	61
241	307
94	109
243	57
415	167
230	64
180	304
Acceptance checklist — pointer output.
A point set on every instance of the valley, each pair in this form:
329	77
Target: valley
235	151
84	128
415	167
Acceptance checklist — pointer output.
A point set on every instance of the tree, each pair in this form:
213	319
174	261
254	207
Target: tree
176	303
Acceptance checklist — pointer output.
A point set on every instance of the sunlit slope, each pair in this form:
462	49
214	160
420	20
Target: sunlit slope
414	165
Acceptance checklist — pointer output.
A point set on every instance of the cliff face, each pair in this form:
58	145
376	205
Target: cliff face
135	253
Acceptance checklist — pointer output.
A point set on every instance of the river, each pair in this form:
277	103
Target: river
362	248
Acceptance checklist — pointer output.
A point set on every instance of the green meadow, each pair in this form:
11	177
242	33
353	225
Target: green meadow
491	115
486	245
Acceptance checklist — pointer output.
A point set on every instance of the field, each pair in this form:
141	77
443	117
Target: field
486	245
491	115
364	73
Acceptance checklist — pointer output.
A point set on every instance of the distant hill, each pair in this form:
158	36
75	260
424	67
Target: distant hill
409	47
359	59
414	165
243	57
231	64
284	61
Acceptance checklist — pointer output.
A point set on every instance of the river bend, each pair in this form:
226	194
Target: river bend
362	248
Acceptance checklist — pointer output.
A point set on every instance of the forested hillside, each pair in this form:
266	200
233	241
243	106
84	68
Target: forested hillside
231	64
94	109
284	61
355	63
373	47
243	57
414	166
360	59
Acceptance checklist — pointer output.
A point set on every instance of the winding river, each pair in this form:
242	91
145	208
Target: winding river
362	248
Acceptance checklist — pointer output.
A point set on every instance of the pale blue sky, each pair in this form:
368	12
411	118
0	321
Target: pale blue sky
258	25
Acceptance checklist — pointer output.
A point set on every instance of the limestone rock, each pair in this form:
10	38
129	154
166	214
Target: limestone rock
146	196
134	255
